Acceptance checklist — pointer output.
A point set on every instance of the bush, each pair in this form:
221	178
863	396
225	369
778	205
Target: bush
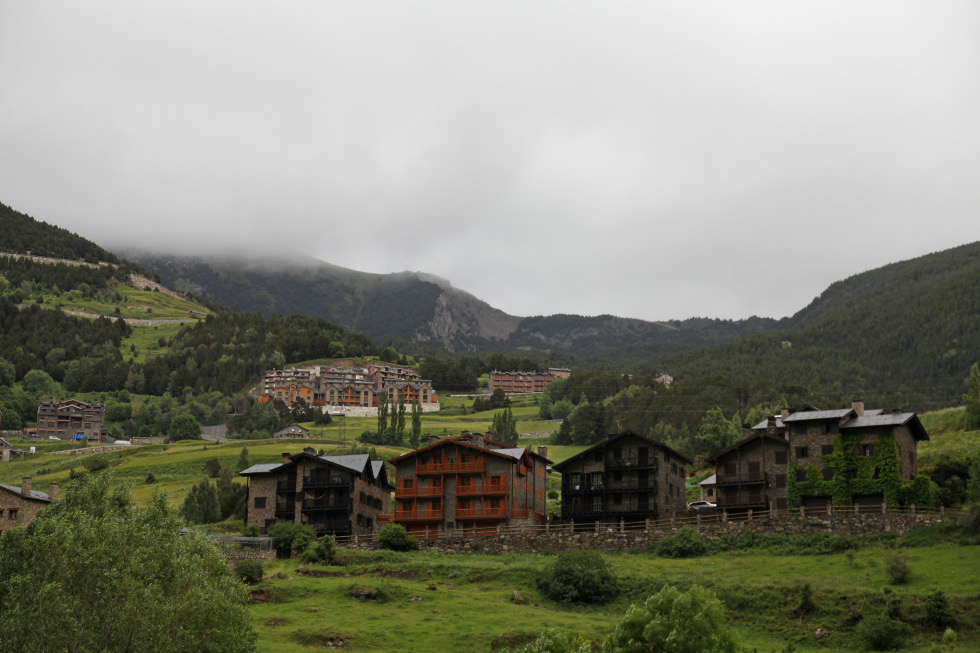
95	463
897	567
322	552
939	614
249	571
881	633
290	537
556	641
686	544
396	538
672	621
252	530
579	577
150	478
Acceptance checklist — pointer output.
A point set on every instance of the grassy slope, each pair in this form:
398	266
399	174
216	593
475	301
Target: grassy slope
471	607
948	436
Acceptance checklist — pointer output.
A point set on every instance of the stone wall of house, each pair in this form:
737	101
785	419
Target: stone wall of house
237	555
562	537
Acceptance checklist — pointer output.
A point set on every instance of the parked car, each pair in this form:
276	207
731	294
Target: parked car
698	505
53	437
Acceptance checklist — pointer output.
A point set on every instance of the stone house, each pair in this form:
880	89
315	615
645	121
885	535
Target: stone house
709	489
19	505
469	481
626	476
336	495
292	431
815	458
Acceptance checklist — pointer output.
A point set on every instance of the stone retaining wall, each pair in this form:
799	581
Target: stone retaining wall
559	537
372	411
237	555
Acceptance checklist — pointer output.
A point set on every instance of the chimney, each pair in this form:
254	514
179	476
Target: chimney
53	491
771	426
285	458
543	452
434	439
858	407
25	486
784	413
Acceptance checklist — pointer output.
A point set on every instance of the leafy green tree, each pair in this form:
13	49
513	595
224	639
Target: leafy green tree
972	398
184	427
8	373
242	460
715	433
201	504
232	496
291	537
382	414
544	408
396	538
416	438
336	350
400	424
40	384
504	427
672	621
169	592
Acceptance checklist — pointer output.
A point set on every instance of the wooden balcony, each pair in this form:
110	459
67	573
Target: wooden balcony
631	462
482	513
325	481
449	467
327	504
415	492
385	518
476	489
744	478
418	515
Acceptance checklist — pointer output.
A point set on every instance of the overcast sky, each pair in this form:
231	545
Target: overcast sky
645	159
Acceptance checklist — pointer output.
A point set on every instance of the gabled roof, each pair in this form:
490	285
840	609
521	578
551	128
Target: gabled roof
5	445
889	420
357	463
612	438
809	415
711	480
764	424
461	440
35	494
751	438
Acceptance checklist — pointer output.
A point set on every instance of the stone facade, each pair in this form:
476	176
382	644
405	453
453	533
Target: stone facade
626	476
72	417
752	473
467	482
19	505
565	537
336	495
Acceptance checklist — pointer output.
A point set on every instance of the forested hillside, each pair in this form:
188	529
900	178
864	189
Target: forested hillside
905	333
20	233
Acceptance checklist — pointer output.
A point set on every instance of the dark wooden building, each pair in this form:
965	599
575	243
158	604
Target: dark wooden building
70	419
626	476
336	495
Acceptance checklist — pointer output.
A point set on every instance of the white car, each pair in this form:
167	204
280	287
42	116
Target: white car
698	505
53	437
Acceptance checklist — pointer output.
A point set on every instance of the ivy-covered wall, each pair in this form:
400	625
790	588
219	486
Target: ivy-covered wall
855	474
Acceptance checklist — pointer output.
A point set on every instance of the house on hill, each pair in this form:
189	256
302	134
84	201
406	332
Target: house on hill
814	458
469	481
71	419
292	431
625	477
336	495
19	505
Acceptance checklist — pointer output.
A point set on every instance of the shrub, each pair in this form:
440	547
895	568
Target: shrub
252	530
805	605
672	621
150	478
396	538
579	577
249	571
556	641
686	544
290	537
897	567
880	633
322	552
95	463
939	614
213	468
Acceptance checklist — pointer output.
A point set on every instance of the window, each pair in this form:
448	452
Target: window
666	456
801	475
673	468
867	450
799	429
828	474
802	452
13	514
618	499
877	473
495	481
260	502
780	480
597	503
826	449
408	483
833	428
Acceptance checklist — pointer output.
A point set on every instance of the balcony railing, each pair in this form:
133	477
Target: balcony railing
736	479
286	486
480	488
285	509
413	492
384	519
418	515
481	513
325	481
327	504
331	527
630	462
743	501
449	466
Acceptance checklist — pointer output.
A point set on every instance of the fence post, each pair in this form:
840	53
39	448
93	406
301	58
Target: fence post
427	532
697	517
830	508
856	511
474	529
597	527
547	526
913	510
355	539
646	524
571	526
884	508
724	516
942	512
802	511
622	525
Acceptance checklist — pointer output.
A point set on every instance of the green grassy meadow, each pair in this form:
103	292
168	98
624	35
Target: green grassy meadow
471	606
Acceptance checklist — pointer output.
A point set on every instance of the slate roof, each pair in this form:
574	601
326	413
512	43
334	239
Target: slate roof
264	468
355	463
377	466
805	416
615	437
889	420
35	494
744	441
711	480
764	424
